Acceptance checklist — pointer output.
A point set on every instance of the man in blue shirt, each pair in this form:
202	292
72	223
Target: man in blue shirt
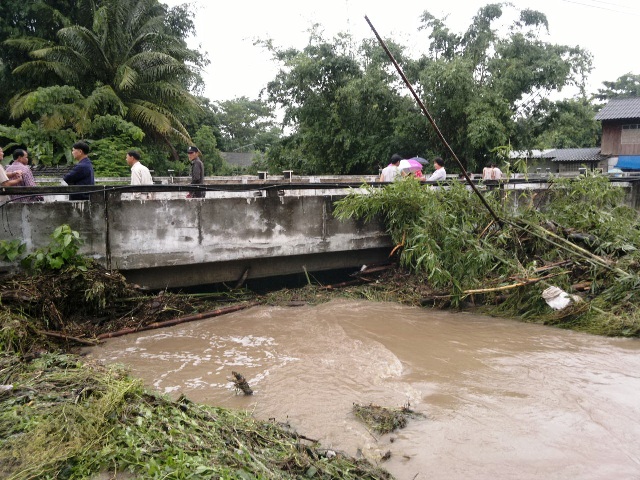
82	172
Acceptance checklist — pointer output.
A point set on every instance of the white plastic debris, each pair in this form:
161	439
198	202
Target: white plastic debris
557	298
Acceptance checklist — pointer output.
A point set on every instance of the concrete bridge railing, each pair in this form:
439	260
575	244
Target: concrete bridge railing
171	241
159	238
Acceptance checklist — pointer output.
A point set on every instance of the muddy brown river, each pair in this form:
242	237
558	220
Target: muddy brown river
501	399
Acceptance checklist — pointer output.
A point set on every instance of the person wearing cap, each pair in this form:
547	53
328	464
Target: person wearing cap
21	164
82	172
8	179
440	173
197	171
391	171
140	175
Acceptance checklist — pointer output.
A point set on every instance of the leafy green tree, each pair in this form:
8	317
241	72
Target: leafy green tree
628	85
129	62
205	139
340	105
348	110
568	123
478	84
247	124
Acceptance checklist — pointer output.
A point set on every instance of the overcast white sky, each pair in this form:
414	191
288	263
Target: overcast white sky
226	30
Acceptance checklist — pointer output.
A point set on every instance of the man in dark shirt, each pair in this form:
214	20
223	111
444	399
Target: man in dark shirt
197	171
82	172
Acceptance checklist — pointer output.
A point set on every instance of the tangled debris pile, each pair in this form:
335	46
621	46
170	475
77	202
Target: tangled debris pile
383	419
578	237
72	307
60	418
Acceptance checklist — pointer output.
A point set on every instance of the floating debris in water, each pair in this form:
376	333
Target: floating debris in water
383	419
241	383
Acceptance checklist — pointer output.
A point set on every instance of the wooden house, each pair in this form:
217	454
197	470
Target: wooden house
621	133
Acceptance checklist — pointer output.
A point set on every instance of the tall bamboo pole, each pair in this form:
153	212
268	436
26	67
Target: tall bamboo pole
433	123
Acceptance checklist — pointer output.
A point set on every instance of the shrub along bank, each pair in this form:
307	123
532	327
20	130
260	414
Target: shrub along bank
580	238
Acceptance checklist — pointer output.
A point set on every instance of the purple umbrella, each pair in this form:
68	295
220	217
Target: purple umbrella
421	160
410	165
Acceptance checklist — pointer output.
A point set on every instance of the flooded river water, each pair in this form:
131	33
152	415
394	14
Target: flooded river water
501	399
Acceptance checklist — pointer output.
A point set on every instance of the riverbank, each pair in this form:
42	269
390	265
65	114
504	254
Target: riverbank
63	417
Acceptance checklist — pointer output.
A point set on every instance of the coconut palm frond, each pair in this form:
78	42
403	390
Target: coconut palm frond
147	114
28	44
148	59
42	68
84	43
105	98
169	94
146	15
165	123
126	78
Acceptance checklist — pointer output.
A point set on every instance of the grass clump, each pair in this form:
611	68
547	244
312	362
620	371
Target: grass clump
383	419
65	419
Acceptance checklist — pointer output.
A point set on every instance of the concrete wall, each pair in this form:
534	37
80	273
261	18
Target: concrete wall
254	230
172	242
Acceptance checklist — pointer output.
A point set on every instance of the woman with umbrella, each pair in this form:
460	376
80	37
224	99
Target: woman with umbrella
413	166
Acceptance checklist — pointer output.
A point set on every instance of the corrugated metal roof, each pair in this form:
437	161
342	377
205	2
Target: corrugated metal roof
576	155
620	109
530	153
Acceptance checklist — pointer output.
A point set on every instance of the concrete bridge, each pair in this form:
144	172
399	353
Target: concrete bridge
239	231
248	229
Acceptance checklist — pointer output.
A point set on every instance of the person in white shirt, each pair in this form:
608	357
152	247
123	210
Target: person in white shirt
497	173
140	175
440	173
8	179
391	171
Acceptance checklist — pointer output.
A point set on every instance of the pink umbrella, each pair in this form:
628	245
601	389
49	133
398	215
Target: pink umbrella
410	165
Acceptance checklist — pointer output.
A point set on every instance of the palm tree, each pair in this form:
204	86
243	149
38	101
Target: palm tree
128	63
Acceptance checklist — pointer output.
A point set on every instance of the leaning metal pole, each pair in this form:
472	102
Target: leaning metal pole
433	123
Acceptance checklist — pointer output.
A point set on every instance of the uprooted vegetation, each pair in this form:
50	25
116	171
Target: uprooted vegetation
384	419
63	419
578	237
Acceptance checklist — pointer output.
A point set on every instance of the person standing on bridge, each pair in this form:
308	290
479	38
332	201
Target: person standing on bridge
82	172
140	175
391	171
440	174
497	173
21	164
197	171
8	179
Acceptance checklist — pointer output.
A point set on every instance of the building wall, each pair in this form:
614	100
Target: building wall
612	138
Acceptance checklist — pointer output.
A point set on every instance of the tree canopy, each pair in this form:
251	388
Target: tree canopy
628	85
349	113
115	72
